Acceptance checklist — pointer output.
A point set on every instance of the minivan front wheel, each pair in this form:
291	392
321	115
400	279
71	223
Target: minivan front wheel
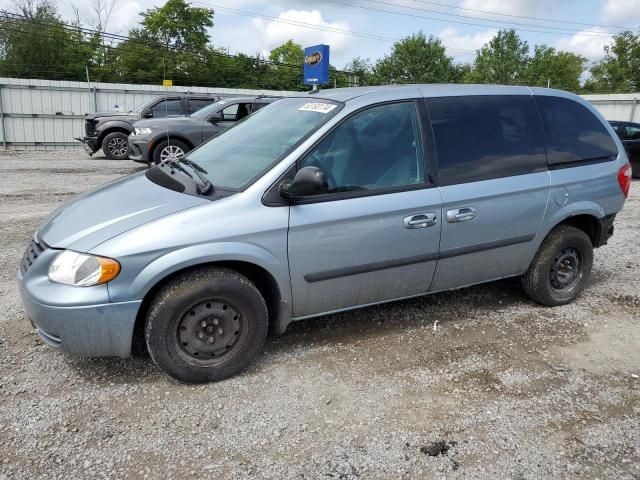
206	325
561	267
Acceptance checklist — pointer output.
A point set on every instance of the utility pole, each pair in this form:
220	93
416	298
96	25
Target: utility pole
95	107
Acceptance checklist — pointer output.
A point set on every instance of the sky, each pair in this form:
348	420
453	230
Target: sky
368	28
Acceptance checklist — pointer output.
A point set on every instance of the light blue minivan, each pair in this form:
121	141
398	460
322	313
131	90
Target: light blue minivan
325	202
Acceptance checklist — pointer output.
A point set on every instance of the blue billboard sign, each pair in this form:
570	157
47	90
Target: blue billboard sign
316	65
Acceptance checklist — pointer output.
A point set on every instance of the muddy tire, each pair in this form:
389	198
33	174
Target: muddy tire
116	146
561	268
206	325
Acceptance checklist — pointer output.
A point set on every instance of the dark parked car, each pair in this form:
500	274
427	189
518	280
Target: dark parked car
171	138
629	133
109	130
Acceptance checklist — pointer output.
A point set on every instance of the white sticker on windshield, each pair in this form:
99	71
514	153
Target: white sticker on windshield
317	107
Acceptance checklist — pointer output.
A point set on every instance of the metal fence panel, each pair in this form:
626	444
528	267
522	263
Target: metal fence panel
618	106
48	114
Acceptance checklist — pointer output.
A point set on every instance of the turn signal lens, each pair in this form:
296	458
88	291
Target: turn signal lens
82	270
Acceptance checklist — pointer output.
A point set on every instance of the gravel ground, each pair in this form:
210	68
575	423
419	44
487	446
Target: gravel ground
502	388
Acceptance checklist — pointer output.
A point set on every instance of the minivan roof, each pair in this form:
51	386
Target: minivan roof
431	89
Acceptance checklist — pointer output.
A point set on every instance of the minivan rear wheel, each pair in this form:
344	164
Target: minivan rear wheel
206	325
561	268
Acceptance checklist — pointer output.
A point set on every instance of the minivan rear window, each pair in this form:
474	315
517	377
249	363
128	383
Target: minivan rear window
484	137
574	134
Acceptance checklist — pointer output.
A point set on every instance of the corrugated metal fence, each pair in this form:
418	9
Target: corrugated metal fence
619	106
48	114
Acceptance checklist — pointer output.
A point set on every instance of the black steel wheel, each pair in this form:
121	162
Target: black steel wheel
210	331
565	270
205	325
561	267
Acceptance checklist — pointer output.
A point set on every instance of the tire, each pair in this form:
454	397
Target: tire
196	307
561	267
169	149
116	146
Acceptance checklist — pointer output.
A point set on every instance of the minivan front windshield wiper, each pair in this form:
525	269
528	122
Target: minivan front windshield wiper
205	185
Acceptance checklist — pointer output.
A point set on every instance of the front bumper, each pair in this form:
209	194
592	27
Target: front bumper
77	320
139	150
90	144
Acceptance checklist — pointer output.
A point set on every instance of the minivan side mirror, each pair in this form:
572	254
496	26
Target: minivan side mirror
147	114
307	181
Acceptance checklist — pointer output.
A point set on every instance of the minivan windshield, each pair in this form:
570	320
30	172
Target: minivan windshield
234	158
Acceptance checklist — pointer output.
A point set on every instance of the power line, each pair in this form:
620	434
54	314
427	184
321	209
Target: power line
565	29
375	9
315	27
520	16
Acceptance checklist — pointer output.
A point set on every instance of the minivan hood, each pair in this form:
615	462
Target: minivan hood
114	208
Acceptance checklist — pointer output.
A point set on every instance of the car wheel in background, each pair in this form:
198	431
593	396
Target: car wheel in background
561	268
115	146
169	150
206	325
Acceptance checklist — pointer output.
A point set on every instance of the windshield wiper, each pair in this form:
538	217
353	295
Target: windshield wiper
206	186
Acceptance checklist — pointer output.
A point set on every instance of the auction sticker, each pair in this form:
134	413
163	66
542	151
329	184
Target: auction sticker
317	107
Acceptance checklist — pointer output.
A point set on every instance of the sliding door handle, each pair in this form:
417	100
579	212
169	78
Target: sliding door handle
461	214
421	220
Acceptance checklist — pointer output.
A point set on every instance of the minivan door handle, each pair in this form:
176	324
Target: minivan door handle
421	220
461	214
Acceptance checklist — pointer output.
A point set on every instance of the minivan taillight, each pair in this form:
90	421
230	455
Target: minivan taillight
624	179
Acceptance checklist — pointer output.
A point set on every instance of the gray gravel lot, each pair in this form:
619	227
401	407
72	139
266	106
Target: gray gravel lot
503	388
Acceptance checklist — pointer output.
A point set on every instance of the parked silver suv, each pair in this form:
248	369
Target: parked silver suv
327	202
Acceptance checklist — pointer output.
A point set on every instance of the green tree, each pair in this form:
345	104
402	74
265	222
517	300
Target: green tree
287	73
619	70
502	60
361	72
415	59
558	69
179	25
35	43
289	52
172	42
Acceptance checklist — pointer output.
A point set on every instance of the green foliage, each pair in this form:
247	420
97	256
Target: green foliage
179	25
361	72
557	69
415	59
503	60
287	73
173	42
41	46
289	52
619	70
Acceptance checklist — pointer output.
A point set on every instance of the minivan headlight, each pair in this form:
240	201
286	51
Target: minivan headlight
82	270
142	131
